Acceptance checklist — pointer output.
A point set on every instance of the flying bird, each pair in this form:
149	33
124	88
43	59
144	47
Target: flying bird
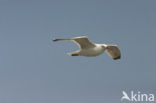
89	49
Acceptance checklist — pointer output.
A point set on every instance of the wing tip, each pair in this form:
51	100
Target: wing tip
56	39
73	54
116	58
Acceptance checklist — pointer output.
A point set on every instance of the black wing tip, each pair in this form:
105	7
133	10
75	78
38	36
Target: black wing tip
116	58
55	40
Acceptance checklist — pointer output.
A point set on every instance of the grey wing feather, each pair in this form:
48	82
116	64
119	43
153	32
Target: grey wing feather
114	52
82	41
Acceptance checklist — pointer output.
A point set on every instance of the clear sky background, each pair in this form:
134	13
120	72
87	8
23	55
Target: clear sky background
33	69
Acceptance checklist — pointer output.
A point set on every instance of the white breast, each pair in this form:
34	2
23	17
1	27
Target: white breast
95	51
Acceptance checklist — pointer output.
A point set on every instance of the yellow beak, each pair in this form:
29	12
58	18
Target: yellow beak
107	47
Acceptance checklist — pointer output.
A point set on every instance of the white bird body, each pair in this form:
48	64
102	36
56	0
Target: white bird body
90	49
93	51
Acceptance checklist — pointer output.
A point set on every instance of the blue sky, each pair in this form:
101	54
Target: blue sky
33	69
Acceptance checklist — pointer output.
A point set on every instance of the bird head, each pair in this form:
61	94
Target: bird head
105	46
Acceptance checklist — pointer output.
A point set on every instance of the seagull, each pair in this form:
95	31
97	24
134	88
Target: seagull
89	49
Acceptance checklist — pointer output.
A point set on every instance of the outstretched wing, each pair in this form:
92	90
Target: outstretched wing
113	51
82	41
